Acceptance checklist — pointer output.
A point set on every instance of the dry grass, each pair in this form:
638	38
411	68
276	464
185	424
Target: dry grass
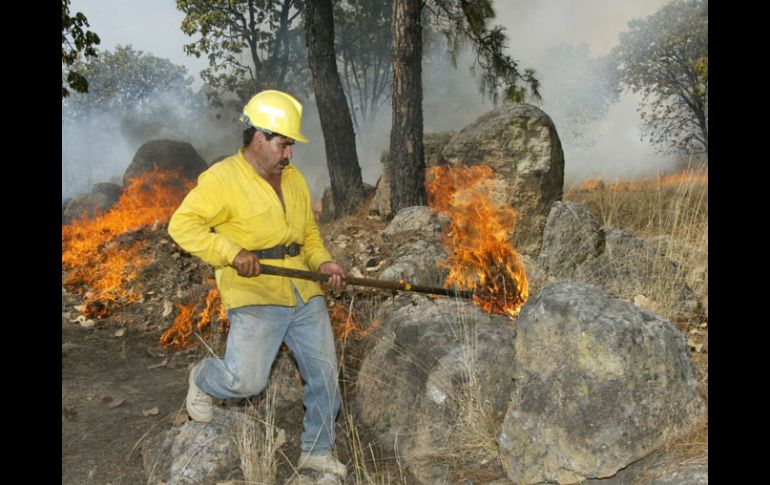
670	212
673	213
258	441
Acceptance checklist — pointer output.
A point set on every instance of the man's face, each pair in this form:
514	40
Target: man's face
274	154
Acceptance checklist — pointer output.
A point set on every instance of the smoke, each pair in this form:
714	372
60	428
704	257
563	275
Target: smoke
92	151
98	144
600	132
613	145
100	147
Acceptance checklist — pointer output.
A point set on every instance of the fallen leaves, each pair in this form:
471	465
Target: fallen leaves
168	307
180	418
83	321
150	412
111	403
68	413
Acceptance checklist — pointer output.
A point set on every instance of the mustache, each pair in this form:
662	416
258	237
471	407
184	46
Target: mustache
284	162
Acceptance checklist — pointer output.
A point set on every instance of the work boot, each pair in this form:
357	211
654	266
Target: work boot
322	462
199	404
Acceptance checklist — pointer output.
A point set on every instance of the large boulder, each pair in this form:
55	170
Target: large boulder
572	237
520	143
576	246
166	155
195	453
418	219
600	384
433	146
98	201
415	263
204	453
414	235
435	385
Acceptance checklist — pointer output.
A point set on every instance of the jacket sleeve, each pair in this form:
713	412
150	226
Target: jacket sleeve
191	225
315	252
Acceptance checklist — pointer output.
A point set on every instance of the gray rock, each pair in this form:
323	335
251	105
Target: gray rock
285	380
166	155
520	143
438	374
98	201
416	219
415	262
576	247
572	236
195	453
204	453
416	234
599	385
659	469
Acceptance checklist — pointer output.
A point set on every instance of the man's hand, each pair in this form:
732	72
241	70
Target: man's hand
246	263
337	280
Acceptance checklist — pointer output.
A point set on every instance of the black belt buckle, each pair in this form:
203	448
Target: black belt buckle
279	252
293	249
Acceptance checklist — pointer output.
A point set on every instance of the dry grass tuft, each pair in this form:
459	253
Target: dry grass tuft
258	440
672	212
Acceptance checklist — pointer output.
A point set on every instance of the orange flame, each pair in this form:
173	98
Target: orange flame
343	324
481	255
99	268
681	177
178	335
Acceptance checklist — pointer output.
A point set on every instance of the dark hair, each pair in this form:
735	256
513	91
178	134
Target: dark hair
248	134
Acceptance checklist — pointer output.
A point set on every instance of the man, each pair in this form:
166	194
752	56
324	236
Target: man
252	207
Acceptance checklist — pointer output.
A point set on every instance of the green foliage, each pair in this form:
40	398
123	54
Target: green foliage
469	22
74	41
665	58
251	45
363	31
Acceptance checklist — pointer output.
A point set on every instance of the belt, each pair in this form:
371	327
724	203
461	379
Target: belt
278	252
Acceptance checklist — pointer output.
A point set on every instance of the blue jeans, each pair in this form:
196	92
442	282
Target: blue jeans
256	333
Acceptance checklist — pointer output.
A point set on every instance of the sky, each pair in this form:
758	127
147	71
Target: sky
532	27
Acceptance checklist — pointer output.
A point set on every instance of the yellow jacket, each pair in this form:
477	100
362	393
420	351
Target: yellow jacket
233	208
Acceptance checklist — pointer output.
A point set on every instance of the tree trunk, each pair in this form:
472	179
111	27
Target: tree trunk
406	161
339	138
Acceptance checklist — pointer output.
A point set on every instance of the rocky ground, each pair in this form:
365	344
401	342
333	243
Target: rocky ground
120	387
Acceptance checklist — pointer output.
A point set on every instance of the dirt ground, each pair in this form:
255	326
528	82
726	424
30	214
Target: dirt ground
121	388
109	383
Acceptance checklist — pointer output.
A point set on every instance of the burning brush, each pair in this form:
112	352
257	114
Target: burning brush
481	256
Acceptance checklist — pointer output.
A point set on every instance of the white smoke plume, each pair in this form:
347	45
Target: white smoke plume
101	148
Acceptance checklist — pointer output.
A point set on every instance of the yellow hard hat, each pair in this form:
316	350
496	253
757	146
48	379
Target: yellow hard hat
275	112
